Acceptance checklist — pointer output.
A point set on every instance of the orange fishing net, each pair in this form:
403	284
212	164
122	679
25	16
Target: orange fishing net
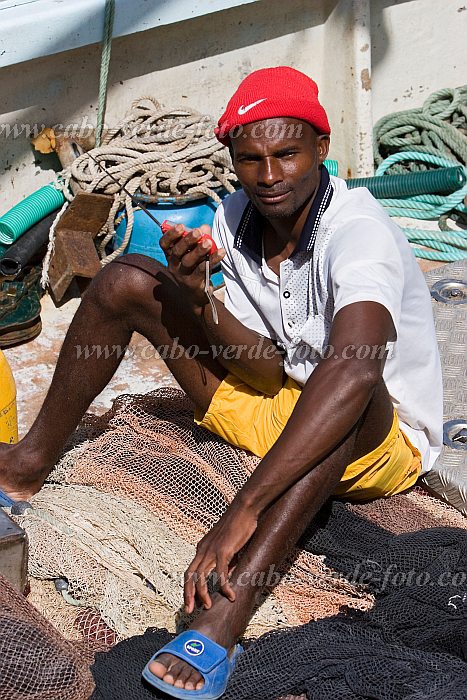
36	663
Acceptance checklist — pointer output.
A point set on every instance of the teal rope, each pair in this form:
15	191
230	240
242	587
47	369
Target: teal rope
447	245
451	256
105	63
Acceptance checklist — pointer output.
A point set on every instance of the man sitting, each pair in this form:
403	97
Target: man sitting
344	397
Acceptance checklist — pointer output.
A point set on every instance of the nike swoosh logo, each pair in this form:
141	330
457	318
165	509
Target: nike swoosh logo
244	110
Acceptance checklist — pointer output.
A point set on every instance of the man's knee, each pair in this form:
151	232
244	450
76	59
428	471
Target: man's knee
125	281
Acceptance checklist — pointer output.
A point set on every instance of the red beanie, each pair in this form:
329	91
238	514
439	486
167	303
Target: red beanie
273	92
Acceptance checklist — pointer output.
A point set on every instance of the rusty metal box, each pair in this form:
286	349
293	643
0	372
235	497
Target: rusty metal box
13	552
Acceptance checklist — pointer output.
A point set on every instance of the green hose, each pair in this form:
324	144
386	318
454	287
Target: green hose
30	211
332	167
446	180
427	206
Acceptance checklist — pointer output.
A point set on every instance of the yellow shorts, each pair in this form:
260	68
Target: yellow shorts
248	419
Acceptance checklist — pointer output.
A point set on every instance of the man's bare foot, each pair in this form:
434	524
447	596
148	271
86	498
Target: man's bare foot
21	473
216	625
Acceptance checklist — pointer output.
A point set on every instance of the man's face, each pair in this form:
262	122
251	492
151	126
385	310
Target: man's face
277	162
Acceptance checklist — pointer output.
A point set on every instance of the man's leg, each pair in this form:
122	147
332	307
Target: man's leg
277	533
134	293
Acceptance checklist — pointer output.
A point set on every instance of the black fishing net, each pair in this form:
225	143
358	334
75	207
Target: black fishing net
411	645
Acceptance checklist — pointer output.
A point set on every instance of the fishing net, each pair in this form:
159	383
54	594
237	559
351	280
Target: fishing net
136	489
411	644
129	501
36	663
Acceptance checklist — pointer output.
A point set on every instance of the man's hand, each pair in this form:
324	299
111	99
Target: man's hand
187	257
215	553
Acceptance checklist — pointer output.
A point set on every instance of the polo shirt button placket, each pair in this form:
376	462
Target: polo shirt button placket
286	294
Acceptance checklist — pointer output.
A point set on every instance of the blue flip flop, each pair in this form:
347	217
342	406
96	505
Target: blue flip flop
204	655
5	501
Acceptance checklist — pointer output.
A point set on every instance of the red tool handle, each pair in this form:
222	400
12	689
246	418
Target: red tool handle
167	225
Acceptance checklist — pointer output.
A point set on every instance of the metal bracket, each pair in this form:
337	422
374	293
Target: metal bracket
455	434
450	291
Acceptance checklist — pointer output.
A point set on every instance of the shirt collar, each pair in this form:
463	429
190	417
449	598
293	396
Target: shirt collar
248	237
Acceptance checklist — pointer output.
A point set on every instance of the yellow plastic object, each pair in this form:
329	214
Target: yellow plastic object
8	415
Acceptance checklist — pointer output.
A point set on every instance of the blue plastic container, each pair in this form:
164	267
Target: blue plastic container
146	234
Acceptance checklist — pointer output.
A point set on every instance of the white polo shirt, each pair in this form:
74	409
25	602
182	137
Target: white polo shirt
349	251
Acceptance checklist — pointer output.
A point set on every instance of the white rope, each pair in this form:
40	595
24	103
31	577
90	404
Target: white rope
159	153
62	183
51	247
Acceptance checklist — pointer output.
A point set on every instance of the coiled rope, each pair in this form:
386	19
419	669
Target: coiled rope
434	135
159	153
438	128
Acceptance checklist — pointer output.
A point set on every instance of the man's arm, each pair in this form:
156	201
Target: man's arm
242	351
332	401
247	354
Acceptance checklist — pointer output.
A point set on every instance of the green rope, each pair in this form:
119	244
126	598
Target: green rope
437	128
105	62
